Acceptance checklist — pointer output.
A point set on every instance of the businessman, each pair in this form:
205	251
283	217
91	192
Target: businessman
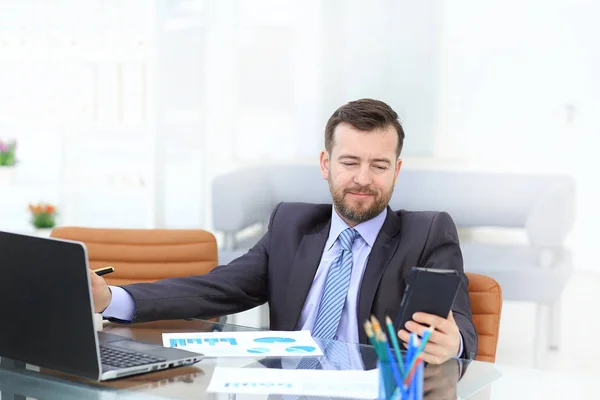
327	267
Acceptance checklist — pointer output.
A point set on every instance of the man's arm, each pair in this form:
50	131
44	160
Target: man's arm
442	250
227	289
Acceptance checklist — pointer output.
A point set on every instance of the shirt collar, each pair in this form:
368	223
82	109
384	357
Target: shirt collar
368	230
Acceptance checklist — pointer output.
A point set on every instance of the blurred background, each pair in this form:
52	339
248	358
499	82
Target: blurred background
124	112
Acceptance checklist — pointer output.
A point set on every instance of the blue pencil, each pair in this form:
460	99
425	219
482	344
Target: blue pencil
410	352
418	352
426	335
393	364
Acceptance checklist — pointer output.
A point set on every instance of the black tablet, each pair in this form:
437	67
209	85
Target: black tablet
430	291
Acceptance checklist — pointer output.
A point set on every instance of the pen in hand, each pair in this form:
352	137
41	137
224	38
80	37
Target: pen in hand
104	271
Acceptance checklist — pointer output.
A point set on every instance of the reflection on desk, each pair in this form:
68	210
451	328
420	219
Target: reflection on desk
456	378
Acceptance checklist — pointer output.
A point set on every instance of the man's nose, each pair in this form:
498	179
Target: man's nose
363	176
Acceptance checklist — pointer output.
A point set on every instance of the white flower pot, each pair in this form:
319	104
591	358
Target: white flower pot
7	175
42	232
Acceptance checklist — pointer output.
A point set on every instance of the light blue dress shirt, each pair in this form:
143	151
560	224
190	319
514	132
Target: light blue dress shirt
361	248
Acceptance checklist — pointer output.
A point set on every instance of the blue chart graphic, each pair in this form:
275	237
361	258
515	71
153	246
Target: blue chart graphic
181	342
300	349
275	340
258	350
177	342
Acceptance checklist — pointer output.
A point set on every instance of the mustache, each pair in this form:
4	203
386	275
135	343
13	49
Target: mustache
359	190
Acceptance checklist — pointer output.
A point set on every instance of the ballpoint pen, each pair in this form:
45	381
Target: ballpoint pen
104	271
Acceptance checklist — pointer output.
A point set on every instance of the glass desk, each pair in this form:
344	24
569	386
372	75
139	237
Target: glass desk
452	380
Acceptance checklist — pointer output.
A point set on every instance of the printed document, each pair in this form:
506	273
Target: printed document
301	382
246	344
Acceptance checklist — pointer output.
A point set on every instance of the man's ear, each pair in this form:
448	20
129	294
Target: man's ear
398	166
324	163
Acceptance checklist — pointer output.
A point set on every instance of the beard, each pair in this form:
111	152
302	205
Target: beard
357	213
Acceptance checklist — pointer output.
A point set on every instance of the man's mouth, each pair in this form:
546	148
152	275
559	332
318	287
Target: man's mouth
361	194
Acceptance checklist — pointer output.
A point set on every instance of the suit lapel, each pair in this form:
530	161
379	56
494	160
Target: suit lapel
380	256
304	268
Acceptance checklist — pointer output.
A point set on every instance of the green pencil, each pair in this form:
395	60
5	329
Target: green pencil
373	330
394	340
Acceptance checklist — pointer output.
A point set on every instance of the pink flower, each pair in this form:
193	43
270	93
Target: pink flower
7	146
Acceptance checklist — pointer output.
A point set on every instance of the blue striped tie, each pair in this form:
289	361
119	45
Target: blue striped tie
336	288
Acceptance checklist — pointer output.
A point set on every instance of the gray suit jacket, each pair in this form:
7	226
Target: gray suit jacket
280	269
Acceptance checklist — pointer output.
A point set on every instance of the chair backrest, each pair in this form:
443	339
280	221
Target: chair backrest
486	304
145	255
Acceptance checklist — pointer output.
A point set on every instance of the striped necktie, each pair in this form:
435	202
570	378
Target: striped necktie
336	288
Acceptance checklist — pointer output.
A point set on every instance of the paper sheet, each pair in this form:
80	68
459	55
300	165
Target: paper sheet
246	344
302	382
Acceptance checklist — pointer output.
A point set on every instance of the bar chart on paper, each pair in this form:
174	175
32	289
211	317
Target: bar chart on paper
245	344
187	342
183	342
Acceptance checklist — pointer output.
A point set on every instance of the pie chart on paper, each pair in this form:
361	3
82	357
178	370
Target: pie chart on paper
301	349
275	340
258	350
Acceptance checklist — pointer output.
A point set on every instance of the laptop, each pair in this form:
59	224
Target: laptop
46	317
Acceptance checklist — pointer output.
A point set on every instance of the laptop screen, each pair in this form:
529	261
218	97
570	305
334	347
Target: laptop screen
46	312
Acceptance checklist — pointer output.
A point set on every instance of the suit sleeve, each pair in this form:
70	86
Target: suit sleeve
442	250
227	289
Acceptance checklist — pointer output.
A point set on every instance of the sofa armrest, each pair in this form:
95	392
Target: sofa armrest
240	199
551	218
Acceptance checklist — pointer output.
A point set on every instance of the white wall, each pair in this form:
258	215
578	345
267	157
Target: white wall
510	71
204	87
131	109
520	90
276	70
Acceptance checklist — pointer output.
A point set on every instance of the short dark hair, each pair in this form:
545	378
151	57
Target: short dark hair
364	115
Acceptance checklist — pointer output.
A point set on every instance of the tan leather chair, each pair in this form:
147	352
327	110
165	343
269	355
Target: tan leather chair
486	305
145	255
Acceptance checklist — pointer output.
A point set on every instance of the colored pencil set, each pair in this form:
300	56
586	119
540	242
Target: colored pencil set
401	378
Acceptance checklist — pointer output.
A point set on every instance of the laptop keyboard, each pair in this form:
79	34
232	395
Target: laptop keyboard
126	359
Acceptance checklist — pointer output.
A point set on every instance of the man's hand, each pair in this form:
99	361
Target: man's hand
444	342
100	292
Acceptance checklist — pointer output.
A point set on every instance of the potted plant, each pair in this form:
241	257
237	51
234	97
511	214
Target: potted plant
7	160
43	216
7	153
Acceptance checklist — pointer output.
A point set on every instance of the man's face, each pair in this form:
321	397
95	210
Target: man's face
362	170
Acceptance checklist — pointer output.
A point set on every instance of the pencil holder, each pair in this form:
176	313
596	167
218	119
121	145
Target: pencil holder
388	383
